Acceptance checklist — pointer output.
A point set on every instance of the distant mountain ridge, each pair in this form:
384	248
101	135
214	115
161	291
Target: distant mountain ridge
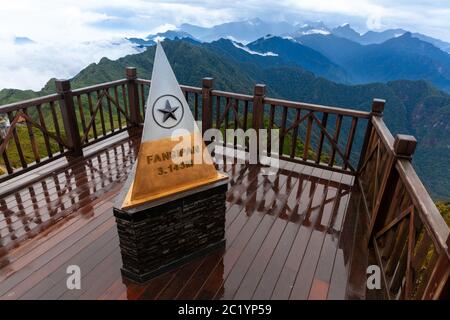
251	29
413	107
402	57
272	51
241	31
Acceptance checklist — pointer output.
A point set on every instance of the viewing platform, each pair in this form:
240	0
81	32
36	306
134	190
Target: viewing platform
344	196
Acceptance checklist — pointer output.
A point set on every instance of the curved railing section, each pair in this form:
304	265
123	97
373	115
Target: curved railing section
409	236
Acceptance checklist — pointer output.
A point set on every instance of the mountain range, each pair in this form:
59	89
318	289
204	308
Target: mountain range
339	54
251	29
413	107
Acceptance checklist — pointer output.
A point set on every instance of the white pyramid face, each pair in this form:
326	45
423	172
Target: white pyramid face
159	170
167	108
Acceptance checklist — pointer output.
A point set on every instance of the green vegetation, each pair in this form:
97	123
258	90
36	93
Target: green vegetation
444	208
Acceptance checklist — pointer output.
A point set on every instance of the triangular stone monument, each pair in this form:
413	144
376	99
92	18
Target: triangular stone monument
172	157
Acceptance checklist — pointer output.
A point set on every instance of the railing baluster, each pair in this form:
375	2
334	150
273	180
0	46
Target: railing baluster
143	100
46	137
322	135
217	112
335	138
81	111
226	111
56	125
100	110
34	147
245	118
9	169
350	139
119	116
236	121
283	129
108	103
17	142
124	99
269	136
196	106
295	134
91	113
308	137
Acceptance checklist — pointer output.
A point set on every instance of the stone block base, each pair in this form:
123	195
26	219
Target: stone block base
156	239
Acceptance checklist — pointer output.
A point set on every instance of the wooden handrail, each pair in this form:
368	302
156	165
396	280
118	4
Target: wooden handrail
28	103
97	87
183	87
319	108
267	100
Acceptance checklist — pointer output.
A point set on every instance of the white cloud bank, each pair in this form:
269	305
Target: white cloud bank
30	66
246	49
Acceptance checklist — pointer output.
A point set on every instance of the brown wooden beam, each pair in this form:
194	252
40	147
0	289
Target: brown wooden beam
69	118
207	112
133	95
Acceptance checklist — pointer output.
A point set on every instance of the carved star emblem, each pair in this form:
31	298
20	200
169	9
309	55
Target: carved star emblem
168	111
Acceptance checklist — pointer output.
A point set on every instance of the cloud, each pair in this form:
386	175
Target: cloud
30	66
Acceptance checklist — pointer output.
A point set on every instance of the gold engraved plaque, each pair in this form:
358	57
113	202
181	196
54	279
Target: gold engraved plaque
164	168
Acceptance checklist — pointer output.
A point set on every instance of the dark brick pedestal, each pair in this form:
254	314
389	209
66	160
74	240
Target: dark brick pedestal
158	238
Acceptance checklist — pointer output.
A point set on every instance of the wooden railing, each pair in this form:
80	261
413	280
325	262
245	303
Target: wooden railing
30	121
67	122
310	134
409	237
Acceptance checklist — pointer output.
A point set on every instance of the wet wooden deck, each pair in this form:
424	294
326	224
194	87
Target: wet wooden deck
288	235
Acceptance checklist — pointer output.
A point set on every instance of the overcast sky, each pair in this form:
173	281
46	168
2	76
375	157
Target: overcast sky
60	26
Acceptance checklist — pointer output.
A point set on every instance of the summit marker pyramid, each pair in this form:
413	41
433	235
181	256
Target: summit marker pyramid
172	156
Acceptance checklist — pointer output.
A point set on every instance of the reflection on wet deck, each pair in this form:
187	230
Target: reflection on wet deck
288	235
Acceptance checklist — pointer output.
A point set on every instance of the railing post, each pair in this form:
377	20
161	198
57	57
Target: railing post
207	112
69	118
133	95
258	111
404	146
377	111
